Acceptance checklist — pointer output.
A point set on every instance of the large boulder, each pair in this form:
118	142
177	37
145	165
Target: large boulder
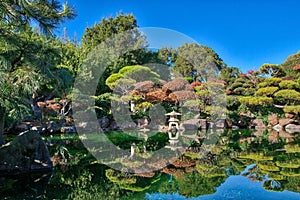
27	153
191	124
273	119
104	122
284	122
289	115
258	124
292	128
128	125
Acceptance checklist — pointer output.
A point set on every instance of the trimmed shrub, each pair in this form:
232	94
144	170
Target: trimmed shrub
262	85
288	85
239	90
273	81
255	100
292	109
112	80
266	91
288	94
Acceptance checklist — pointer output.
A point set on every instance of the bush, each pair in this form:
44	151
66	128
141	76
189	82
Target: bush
111	81
232	102
236	85
239	90
292	109
255	100
288	94
189	79
267	91
249	91
273	81
240	80
197	83
262	85
289	85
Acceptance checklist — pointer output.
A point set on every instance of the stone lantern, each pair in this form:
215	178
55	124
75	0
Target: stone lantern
173	121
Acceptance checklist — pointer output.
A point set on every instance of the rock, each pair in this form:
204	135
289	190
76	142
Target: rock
22	127
196	116
277	127
39	129
273	119
292	128
191	124
127	125
220	124
52	127
283	134
142	123
203	124
104	122
258	133
26	153
260	127
210	125
289	115
284	122
68	129
259	124
229	123
273	136
114	126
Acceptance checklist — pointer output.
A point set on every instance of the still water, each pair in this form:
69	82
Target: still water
240	164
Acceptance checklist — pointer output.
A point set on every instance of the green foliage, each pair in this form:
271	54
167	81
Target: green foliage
197	61
235	85
230	74
29	60
189	79
266	91
134	73
255	100
112	80
292	109
289	64
262	85
273	81
289	85
47	14
140	73
272	70
288	95
107	28
239	91
232	102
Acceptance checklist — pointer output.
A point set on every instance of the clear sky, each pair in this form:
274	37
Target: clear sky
245	33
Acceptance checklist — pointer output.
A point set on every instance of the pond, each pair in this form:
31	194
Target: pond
241	164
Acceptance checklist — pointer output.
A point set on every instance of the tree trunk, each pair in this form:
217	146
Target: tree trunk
2	120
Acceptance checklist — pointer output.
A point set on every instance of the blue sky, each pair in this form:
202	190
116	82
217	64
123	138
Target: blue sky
245	33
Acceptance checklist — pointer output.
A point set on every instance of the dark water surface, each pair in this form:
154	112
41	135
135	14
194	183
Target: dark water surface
243	164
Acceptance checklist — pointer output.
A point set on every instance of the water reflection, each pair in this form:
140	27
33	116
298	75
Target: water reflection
241	164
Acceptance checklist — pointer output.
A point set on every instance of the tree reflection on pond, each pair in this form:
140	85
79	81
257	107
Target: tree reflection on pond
240	162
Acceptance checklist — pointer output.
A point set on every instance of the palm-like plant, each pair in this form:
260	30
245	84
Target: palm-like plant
27	58
48	14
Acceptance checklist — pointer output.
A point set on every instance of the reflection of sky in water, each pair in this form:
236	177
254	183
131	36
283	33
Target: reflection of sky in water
235	188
